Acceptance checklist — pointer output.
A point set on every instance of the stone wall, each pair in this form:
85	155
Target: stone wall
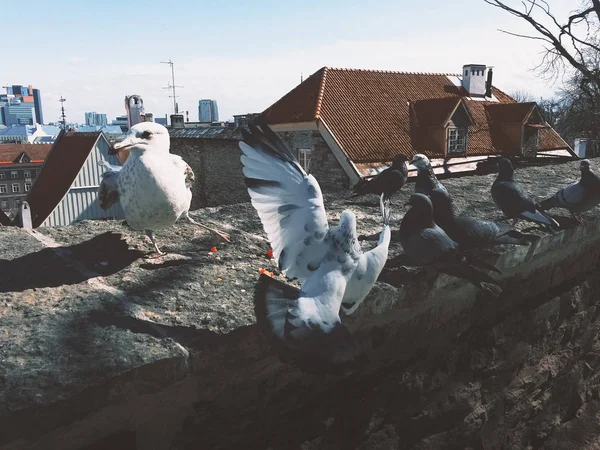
216	164
323	164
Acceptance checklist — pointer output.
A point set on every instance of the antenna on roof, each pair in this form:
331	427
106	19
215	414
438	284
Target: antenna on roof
63	117
172	86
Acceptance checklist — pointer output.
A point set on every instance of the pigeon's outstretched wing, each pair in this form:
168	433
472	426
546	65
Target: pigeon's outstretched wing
288	201
302	325
108	192
370	265
515	203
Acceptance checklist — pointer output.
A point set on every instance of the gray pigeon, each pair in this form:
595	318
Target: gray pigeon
387	182
578	197
512	200
426	243
469	232
426	179
304	324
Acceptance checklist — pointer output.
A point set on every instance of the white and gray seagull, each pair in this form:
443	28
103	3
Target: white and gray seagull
153	186
304	324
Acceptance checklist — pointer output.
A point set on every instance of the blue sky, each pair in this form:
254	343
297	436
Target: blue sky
247	54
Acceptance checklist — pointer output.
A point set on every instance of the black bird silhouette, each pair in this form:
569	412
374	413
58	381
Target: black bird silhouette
387	182
426	243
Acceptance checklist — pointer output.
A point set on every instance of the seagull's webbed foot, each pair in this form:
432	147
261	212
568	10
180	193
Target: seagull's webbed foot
220	234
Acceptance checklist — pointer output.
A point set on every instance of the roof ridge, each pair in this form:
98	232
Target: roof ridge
342	69
321	93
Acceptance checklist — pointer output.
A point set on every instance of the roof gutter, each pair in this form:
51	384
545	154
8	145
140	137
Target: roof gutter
338	152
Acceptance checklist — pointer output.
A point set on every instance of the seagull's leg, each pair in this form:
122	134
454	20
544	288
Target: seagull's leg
382	207
158	253
222	235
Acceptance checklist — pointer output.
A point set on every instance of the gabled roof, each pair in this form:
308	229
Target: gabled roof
369	112
435	111
510	112
62	165
10	153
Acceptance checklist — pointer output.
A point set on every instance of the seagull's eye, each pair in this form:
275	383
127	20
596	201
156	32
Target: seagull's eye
145	135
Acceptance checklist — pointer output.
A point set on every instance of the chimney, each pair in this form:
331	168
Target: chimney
473	79
177	121
488	83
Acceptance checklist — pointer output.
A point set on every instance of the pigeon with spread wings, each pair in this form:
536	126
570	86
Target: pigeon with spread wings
304	324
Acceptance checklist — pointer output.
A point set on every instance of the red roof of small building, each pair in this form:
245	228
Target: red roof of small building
10	153
369	114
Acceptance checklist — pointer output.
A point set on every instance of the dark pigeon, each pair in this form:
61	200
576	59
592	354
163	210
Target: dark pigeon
426	179
512	200
386	183
426	243
578	197
469	232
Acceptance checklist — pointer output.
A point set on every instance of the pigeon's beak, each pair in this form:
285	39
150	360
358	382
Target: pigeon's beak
125	143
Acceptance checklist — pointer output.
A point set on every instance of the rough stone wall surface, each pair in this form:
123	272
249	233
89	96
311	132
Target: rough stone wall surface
323	164
216	164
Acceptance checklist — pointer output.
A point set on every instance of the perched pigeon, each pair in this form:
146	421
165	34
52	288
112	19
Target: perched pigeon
512	200
153	185
468	232
387	182
426	179
578	197
305	323
426	243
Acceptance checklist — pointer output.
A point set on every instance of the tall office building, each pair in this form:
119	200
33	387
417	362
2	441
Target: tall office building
95	119
21	105
208	111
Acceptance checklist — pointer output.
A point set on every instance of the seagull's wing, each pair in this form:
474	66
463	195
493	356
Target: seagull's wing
185	168
370	265
108	192
304	325
288	201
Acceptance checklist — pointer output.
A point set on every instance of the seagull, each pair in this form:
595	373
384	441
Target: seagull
335	274
469	232
153	186
387	182
578	197
512	200
426	179
426	243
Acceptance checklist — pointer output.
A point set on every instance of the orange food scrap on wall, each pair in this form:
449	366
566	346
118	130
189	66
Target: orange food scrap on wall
270	253
266	272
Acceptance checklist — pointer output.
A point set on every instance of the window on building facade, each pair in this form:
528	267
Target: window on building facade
14	174
457	140
2	189
2	175
304	157
27	173
16	187
27	187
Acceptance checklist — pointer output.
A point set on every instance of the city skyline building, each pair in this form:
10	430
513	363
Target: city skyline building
208	111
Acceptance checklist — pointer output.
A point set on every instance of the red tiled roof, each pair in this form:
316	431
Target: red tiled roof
36	152
62	165
369	111
509	112
434	111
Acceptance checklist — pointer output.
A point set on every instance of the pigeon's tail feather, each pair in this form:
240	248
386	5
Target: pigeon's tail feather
549	203
513	237
478	262
540	217
362	187
473	276
304	345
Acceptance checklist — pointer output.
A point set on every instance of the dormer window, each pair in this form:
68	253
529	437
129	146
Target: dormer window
457	140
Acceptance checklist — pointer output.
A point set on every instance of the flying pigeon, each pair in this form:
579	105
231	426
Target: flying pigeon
305	323
512	200
468	232
426	179
387	182
426	243
153	186
578	197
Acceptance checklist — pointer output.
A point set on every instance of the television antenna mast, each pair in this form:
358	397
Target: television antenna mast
63	117
172	86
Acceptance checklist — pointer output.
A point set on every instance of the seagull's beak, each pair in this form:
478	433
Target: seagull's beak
129	141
